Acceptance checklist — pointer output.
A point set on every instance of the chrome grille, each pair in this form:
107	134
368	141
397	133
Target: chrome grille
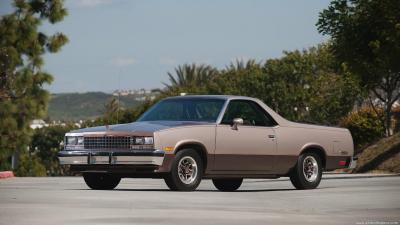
108	142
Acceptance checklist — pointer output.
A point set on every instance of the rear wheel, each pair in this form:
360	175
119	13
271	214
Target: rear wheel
227	184
186	171
308	171
101	181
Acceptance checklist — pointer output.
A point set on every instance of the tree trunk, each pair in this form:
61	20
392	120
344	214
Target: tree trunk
388	119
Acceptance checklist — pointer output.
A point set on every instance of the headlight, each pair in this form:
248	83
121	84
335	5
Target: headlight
74	140
141	143
143	140
71	140
79	141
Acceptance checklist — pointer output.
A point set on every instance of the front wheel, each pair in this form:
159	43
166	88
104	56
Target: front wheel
186	171
308	171
101	181
227	184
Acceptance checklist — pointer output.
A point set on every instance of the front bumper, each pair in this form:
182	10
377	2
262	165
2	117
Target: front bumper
155	157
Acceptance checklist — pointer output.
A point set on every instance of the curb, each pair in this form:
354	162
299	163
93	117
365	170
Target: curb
334	176
356	176
6	174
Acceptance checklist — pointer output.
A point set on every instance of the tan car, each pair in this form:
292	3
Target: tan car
225	138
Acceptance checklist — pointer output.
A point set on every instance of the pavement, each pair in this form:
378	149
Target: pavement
373	199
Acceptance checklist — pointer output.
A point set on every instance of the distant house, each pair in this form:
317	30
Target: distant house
139	94
38	124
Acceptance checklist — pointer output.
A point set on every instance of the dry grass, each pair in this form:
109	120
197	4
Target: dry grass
383	156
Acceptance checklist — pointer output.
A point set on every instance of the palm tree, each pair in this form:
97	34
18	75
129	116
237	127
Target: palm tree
242	65
190	77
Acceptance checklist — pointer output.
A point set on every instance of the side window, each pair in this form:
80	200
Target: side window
208	111
251	113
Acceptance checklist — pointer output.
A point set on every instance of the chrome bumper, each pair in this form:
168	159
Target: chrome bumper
155	157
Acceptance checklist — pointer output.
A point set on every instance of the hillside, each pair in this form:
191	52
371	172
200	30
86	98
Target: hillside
382	156
82	106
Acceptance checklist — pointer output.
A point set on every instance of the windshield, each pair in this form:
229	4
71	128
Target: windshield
188	109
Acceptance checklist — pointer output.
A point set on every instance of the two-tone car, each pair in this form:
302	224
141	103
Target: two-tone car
185	139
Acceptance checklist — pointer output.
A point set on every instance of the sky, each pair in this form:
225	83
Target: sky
132	44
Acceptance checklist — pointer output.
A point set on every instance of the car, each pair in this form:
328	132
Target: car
185	139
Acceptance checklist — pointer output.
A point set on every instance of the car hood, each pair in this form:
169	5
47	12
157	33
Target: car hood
141	128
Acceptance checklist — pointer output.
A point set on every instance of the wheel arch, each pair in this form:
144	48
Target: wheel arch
315	148
196	146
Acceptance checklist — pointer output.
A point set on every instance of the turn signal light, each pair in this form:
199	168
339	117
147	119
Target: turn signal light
168	148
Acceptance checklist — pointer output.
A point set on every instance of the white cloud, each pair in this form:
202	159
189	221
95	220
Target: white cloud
123	61
92	3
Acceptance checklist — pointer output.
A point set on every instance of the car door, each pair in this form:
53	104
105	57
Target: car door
249	147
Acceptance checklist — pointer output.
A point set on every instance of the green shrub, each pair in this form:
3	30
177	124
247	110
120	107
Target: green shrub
365	127
29	167
46	143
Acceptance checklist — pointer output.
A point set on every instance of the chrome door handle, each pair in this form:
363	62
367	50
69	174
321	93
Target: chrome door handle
271	136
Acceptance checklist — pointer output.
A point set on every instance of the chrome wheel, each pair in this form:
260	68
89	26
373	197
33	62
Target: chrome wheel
310	169
187	170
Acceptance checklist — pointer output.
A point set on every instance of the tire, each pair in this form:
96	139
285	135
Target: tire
186	162
227	184
308	171
101	181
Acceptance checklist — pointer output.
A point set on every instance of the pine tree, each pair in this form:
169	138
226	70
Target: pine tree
22	46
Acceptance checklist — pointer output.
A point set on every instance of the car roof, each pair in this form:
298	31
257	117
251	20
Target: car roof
223	97
279	119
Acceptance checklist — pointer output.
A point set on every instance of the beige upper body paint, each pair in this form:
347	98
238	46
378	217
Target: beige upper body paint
286	138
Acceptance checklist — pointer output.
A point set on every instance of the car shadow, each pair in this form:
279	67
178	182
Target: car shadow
167	190
258	190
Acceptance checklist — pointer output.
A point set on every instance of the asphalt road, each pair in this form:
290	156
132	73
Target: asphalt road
67	200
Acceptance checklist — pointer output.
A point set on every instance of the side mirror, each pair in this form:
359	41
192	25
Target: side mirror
236	123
